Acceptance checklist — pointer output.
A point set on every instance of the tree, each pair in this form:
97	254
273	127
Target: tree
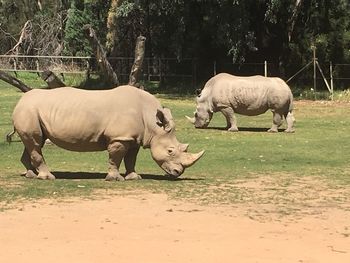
112	27
79	14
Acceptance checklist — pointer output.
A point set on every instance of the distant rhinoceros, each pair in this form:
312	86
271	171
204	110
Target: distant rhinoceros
118	120
246	96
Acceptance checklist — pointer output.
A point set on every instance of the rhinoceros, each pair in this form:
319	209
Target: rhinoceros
246	96
119	120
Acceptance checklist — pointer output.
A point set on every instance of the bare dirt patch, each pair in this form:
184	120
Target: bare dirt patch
152	228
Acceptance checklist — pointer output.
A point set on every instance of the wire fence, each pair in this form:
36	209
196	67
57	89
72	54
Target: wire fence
193	72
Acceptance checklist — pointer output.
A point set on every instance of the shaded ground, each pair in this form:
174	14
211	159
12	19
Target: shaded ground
151	228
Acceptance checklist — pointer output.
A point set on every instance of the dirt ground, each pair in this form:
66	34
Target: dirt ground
151	228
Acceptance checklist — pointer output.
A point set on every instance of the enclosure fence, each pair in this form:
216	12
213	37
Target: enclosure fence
187	70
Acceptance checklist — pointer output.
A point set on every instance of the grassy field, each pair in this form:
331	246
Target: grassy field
284	173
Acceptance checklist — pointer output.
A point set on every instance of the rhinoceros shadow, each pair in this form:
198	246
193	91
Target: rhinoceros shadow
94	175
244	129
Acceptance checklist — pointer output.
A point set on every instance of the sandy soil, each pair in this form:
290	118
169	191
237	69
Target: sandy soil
151	228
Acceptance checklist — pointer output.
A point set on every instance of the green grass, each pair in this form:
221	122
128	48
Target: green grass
288	171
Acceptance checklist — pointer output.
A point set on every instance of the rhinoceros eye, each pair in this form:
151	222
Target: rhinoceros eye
171	151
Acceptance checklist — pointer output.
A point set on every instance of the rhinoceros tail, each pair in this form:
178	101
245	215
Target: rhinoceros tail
9	135
291	103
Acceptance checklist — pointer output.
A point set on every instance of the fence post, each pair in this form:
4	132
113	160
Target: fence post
314	59
148	68
331	75
160	70
87	74
194	73
265	68
37	65
214	65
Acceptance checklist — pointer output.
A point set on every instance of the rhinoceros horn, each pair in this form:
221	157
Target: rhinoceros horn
191	120
189	159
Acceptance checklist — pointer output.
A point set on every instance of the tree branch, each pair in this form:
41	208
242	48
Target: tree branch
101	56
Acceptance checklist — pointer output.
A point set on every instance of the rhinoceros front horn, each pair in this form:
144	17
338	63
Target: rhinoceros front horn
191	120
190	158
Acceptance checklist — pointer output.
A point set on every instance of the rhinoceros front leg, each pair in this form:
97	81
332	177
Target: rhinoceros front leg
276	121
130	161
230	119
116	151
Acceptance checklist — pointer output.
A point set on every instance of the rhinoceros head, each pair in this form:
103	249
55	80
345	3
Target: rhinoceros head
167	151
202	115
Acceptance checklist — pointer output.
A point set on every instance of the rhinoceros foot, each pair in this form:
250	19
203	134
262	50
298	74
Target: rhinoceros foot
30	174
114	177
233	129
289	131
133	176
46	176
272	130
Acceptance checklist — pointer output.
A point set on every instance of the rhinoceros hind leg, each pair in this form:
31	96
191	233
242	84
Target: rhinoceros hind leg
230	119
276	122
38	162
116	151
290	122
34	162
25	159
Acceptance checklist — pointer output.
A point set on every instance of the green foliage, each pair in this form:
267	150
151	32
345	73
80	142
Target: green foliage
79	14
325	25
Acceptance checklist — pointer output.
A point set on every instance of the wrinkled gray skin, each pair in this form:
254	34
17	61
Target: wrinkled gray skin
246	96
118	120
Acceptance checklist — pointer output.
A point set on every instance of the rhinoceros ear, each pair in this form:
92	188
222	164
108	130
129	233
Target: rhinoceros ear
165	119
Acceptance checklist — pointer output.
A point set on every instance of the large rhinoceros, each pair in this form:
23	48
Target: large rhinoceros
118	120
246	96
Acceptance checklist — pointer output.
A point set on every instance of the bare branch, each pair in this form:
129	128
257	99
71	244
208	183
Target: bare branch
40	6
293	19
52	80
14	81
101	56
25	35
137	66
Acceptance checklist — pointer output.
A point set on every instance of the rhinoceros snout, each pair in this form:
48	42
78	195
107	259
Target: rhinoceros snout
173	172
201	125
176	172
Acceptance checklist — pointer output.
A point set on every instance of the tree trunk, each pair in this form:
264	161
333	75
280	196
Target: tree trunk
52	80
137	66
104	65
14	81
294	17
112	28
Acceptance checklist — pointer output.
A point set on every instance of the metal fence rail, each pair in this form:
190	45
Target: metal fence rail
189	70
